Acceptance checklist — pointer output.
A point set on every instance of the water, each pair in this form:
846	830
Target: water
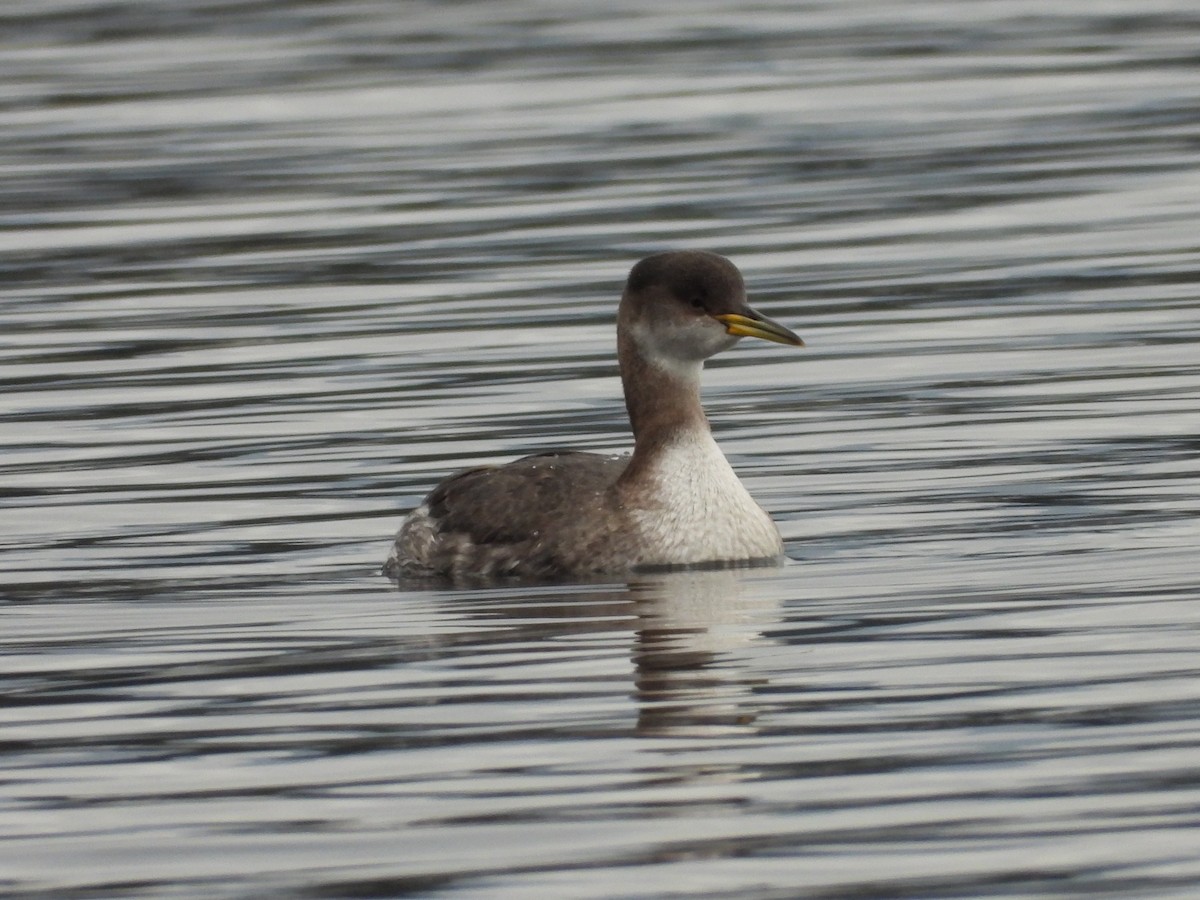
270	271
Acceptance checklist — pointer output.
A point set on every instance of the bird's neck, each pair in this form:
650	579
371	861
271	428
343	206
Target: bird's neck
663	400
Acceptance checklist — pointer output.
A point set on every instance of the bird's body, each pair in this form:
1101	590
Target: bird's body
675	502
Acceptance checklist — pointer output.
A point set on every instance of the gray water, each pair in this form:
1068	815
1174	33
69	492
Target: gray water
271	270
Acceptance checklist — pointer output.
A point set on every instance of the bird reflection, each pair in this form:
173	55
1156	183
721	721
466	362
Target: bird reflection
689	677
693	642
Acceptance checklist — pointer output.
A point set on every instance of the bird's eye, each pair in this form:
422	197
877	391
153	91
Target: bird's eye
697	302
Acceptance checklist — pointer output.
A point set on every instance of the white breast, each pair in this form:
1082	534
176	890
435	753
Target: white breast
699	510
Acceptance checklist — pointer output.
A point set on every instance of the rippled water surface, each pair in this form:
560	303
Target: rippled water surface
270	270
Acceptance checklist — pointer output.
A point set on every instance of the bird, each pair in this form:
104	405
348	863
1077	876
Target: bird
675	502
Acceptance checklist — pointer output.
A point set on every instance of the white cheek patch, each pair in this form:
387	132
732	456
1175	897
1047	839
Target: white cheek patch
681	350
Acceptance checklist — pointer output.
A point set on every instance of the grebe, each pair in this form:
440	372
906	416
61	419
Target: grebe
675	502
